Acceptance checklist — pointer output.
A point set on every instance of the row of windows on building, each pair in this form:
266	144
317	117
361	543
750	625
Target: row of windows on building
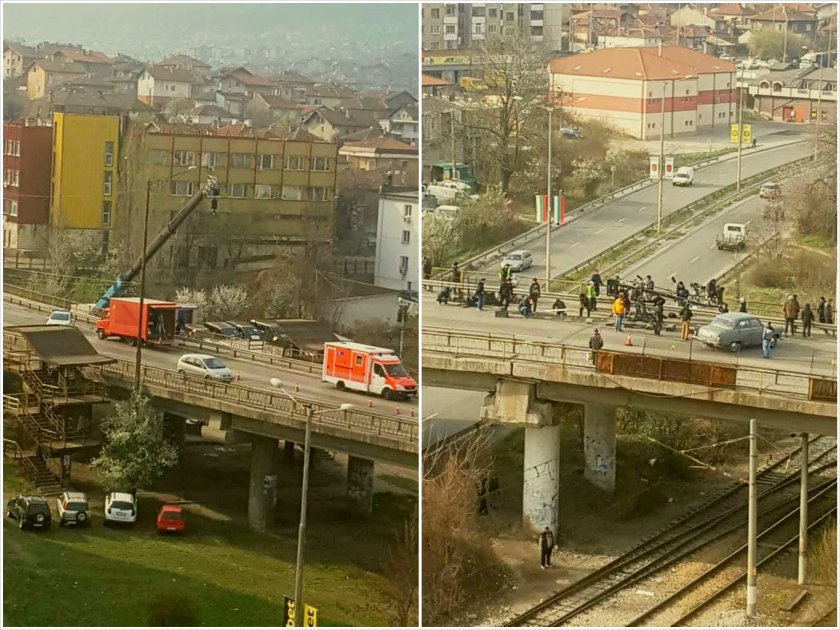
11	178
482	11
12	147
10	207
259	191
687	123
261	161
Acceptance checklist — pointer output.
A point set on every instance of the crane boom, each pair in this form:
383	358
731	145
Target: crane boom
210	188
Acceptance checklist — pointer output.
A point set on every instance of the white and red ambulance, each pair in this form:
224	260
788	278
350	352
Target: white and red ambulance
363	368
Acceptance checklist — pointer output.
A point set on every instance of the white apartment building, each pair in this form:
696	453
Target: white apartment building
397	241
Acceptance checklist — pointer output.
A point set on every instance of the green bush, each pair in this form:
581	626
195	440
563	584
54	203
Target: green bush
769	276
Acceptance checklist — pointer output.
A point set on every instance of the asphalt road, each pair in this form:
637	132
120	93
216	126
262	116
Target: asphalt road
599	230
252	374
694	257
447	412
813	355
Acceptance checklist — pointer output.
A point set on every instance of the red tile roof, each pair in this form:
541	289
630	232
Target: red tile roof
783	14
89	56
640	63
430	81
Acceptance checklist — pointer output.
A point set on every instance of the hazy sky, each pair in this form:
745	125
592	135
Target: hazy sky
114	27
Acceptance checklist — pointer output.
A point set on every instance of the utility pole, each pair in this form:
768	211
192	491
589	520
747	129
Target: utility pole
304	491
819	100
740	138
803	510
591	20
571	29
452	140
661	163
752	521
549	209
138	359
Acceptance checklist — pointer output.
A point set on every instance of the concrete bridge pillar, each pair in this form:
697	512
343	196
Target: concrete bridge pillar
262	489
360	482
541	486
599	445
515	402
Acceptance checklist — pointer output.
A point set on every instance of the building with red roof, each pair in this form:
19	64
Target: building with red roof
625	87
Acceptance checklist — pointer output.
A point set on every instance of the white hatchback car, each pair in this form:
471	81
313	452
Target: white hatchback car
60	318
204	365
120	507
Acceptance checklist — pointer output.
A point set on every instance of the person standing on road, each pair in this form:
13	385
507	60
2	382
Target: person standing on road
596	280
743	307
618	310
427	268
658	316
829	312
807	320
767	340
534	292
754	142
791	312
592	295
821	311
505	293
685	322
584	305
546	547
479	295
456	277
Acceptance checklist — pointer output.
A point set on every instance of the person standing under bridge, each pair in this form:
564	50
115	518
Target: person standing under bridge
546	547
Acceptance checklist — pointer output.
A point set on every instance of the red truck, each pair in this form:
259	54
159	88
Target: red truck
121	316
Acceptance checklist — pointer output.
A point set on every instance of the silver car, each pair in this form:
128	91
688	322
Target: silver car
520	260
73	509
734	331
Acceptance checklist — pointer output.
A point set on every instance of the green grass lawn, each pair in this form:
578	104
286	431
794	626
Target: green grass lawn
223	572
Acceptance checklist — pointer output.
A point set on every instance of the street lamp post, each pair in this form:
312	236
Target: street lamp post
661	163
550	207
740	139
139	356
304	491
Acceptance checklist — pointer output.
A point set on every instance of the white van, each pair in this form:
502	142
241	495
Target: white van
684	176
451	190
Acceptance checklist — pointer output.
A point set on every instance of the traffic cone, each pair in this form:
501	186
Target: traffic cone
628	342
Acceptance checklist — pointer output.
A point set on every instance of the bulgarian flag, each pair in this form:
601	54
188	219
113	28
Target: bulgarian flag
557	213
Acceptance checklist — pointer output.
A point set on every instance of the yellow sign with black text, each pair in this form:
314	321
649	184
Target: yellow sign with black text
310	614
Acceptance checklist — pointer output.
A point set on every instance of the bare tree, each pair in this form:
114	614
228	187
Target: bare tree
515	68
401	567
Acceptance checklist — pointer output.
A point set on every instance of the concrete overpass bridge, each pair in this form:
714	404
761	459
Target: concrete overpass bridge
533	383
260	416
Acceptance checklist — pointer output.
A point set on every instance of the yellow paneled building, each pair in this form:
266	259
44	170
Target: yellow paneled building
84	171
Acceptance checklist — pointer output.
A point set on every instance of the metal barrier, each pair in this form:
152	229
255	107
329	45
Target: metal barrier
266	400
781	382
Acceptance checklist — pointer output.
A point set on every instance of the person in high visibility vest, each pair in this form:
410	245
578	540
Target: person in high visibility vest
591	295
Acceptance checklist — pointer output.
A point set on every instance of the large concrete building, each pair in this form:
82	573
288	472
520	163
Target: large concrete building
627	87
26	185
397	235
276	192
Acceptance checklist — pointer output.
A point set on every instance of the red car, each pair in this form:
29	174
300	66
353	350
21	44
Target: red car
170	518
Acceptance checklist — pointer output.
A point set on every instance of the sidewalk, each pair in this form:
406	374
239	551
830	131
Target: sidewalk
767	133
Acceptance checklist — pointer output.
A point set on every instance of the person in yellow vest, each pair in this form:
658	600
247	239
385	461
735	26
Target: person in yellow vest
618	311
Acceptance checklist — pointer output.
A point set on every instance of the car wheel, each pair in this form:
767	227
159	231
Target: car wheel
22	523
387	394
81	518
735	346
773	342
101	334
340	386
181	372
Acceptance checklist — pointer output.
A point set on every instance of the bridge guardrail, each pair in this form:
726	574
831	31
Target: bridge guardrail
501	249
508	347
352	419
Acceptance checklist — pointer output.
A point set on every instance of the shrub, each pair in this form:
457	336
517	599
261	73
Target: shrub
769	276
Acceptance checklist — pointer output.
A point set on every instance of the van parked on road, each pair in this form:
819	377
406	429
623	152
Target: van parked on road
684	176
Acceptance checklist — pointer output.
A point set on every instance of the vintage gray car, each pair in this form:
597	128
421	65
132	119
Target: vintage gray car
734	331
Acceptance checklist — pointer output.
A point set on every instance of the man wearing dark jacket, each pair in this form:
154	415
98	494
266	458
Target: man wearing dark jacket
821	311
479	295
807	320
534	292
546	546
596	280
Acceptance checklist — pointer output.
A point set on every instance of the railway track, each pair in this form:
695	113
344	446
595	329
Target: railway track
714	519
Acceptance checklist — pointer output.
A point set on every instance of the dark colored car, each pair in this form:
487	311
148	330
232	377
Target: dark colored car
270	331
247	331
224	329
30	512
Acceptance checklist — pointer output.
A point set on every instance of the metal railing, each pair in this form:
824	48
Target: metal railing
366	422
498	251
783	382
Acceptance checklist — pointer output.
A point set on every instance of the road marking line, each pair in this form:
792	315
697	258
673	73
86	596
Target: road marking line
693	259
622	219
575	244
642	209
599	231
713	246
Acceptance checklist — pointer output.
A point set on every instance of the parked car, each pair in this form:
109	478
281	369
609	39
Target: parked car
571	133
734	331
170	518
519	260
270	331
246	331
224	329
770	190
204	365
60	317
30	511
684	176
120	507
73	509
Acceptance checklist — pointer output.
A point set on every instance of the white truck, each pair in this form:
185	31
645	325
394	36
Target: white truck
684	176
451	191
733	237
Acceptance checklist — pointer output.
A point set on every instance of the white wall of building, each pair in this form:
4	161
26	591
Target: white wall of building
397	242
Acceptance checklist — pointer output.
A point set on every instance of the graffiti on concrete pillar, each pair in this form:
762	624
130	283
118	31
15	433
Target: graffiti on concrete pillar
603	464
